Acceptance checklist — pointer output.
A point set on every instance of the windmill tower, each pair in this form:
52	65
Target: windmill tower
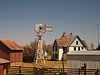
40	29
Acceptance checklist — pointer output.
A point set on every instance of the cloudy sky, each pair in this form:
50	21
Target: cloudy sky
18	17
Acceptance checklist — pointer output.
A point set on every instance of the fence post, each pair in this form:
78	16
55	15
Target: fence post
79	71
42	71
96	73
19	70
84	68
7	70
63	63
35	71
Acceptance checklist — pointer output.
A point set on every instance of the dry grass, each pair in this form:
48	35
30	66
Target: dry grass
48	64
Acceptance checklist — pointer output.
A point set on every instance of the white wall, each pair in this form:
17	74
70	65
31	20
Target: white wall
74	43
60	53
71	48
91	61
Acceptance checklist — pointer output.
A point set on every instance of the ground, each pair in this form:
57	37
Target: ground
48	64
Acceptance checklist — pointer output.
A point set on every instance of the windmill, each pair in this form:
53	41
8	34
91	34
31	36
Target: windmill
40	29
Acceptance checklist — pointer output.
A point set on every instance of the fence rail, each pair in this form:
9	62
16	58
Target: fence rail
18	70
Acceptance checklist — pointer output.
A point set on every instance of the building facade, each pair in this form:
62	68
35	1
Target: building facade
76	59
65	44
4	64
11	51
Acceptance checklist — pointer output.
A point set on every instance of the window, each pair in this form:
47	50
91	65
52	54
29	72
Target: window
75	48
76	42
82	48
55	48
53	56
56	56
79	48
64	49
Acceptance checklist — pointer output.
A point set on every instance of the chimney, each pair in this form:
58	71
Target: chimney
71	34
63	34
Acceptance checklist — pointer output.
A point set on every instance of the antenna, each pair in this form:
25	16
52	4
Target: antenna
98	33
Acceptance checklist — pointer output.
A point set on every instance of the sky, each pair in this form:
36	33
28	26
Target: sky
18	17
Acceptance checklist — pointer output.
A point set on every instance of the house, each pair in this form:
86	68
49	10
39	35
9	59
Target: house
4	64
67	43
11	51
76	59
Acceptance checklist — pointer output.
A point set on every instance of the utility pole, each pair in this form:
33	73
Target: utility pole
98	33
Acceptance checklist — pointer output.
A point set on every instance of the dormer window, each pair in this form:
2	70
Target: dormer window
76	42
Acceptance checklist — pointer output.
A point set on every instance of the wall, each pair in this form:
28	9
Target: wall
74	43
11	55
71	48
16	56
1	70
53	52
60	53
4	52
76	61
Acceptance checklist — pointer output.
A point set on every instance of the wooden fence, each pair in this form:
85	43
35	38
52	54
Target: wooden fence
18	70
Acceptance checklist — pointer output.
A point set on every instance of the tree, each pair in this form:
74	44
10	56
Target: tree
26	50
31	48
98	47
29	52
91	46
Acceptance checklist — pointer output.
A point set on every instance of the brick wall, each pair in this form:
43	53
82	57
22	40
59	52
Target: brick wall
1	70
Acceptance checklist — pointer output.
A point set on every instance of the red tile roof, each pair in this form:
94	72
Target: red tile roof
11	45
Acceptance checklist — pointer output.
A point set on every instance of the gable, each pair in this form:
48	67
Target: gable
70	40
4	48
77	42
55	43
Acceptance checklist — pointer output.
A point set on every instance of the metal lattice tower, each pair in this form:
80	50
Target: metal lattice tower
39	52
40	29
